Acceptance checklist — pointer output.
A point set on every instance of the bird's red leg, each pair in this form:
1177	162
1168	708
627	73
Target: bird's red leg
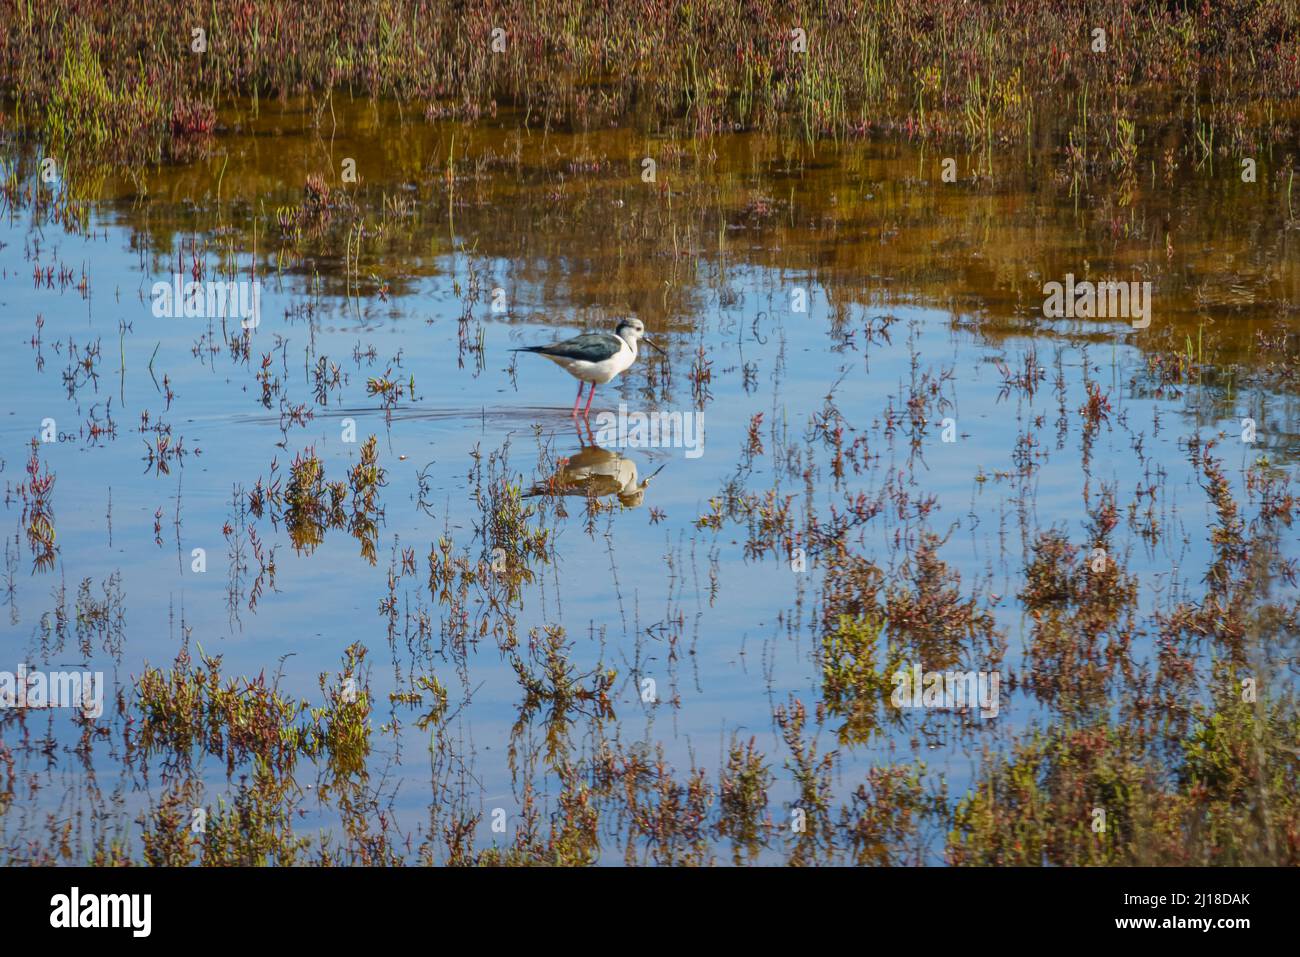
590	395
579	398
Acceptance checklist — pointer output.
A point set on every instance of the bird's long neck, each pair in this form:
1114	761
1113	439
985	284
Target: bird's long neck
631	342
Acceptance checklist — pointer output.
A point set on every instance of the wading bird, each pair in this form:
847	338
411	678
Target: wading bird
596	357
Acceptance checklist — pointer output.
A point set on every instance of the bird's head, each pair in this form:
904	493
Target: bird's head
633	493
632	329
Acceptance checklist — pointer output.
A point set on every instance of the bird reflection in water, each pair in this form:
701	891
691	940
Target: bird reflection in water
594	472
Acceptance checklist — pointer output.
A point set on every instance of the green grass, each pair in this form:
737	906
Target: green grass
127	77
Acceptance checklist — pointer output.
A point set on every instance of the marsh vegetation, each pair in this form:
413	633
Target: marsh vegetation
366	594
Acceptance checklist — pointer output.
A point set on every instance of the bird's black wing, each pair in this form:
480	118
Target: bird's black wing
592	347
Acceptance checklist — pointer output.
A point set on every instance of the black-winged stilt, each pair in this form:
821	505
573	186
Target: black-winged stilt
596	357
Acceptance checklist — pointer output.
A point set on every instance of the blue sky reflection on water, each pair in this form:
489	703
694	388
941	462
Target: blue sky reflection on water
746	626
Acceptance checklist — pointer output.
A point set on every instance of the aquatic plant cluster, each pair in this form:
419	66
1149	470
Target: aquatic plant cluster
145	82
989	557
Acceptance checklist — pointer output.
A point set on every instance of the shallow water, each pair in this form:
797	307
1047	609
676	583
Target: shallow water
915	289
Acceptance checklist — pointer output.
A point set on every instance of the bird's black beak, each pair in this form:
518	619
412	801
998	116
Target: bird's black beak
652	345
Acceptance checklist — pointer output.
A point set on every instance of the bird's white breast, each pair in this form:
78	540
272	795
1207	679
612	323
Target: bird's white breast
598	372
